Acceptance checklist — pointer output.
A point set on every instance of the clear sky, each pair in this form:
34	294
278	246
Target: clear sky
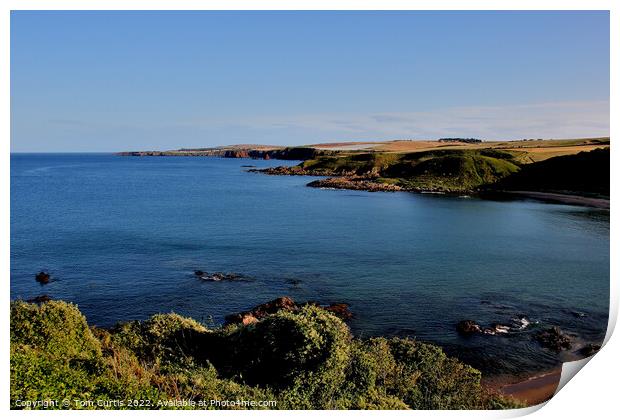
109	81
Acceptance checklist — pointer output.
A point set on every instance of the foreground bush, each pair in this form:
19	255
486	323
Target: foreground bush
302	360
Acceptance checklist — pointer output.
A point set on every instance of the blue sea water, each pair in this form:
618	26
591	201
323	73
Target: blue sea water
122	237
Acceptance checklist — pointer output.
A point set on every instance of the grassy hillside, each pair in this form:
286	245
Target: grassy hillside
437	170
458	171
451	170
582	173
301	359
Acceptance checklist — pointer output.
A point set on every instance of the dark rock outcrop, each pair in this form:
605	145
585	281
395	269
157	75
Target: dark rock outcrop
496	329
247	317
468	327
354	183
554	339
217	276
284	303
42	277
589	349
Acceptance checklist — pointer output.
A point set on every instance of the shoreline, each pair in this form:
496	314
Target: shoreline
372	185
533	390
573	199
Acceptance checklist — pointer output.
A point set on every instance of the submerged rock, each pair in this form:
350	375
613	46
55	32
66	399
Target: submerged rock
293	281
217	276
554	339
39	299
42	277
468	327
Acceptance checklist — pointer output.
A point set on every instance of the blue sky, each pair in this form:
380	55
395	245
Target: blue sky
108	81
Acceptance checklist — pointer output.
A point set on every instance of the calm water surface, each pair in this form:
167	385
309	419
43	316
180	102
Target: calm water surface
123	235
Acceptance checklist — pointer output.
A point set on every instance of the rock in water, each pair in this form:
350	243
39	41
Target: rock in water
554	339
500	329
42	277
468	327
521	322
341	310
39	299
589	349
217	276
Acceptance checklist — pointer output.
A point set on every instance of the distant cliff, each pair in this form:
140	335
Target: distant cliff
285	153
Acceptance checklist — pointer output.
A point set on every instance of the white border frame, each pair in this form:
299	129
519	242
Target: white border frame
592	394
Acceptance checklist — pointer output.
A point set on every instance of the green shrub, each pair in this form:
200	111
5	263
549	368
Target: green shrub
56	327
428	379
55	356
304	359
161	338
286	346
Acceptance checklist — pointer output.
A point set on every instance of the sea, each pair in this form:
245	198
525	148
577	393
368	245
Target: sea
122	237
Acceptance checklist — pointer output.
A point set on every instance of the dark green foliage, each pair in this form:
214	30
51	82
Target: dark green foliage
162	338
55	355
287	346
303	360
56	327
583	173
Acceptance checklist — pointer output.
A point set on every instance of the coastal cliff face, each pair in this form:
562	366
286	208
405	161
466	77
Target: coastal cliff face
457	171
301	357
285	153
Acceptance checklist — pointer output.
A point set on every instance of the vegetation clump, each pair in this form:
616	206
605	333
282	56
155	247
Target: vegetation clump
304	359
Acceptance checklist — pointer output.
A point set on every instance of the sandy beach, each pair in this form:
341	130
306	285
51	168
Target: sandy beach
531	391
